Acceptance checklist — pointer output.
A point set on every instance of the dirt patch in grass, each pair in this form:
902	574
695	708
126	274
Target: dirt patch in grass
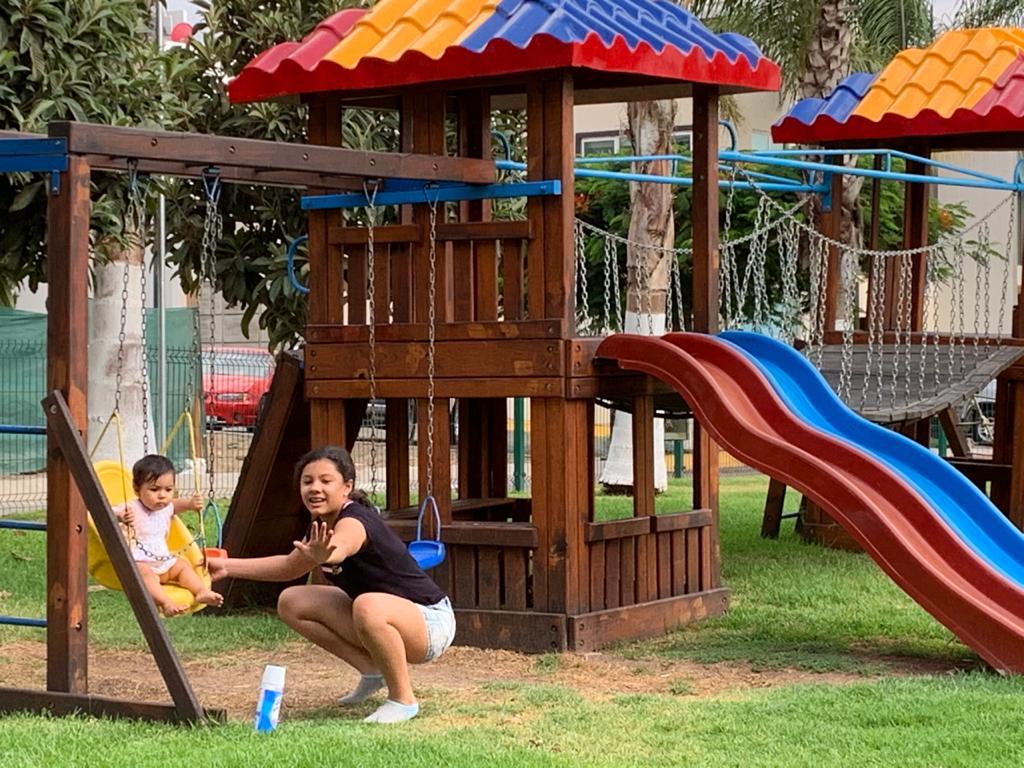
316	680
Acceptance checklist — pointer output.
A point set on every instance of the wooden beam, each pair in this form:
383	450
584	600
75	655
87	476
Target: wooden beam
541	329
61	424
592	631
915	235
67	344
54	703
462	386
201	150
705	284
832	225
705	209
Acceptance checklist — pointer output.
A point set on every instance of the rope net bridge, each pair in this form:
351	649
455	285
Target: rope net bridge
907	346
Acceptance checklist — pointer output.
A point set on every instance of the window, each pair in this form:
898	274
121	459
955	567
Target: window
618	143
760	141
598	145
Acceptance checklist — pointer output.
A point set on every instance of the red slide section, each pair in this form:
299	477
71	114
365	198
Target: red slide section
739	408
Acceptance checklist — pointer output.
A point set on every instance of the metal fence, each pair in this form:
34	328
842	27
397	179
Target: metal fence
235	380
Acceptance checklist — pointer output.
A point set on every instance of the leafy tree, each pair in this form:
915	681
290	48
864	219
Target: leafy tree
259	222
91	60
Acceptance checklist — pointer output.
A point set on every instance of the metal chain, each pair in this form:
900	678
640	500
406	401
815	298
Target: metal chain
848	274
371	296
582	308
609	263
620	317
903	311
431	331
980	258
669	297
876	324
759	257
907	265
213	230
136	216
927	300
927	250
1010	252
933	269
727	257
788	245
819	282
959	280
119	375
678	283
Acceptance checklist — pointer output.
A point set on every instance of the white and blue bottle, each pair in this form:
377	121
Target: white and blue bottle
268	709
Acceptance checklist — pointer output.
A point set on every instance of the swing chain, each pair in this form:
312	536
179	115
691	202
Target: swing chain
213	230
371	295
137	204
431	331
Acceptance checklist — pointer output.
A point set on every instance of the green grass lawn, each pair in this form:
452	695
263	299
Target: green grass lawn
793	606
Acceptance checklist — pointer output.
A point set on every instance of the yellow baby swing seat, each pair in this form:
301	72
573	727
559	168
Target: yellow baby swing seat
116	481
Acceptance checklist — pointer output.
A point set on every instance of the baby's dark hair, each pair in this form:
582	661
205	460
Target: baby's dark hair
149	468
342	461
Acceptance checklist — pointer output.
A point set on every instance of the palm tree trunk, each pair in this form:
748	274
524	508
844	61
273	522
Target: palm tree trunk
828	62
651	229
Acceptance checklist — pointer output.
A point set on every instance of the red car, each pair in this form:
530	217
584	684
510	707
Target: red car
234	380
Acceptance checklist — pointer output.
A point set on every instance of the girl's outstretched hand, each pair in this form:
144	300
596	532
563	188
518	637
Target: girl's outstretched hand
316	547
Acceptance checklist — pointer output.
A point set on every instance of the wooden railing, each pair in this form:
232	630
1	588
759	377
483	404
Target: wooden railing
481	272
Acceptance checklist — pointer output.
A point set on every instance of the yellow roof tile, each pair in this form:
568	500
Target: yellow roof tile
395	27
954	73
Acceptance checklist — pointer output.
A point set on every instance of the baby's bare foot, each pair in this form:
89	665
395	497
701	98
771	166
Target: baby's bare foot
171	608
209	597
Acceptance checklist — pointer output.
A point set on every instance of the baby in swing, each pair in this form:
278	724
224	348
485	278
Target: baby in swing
149	516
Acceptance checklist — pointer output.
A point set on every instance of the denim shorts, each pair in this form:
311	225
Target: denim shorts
440	620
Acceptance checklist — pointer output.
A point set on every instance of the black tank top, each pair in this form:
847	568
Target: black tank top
383	564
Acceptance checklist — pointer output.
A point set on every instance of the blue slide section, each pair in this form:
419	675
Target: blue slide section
953	497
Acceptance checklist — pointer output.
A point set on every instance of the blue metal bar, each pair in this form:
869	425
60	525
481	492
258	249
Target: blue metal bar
684	181
870	173
22	525
21	429
888	154
292	247
33	163
431	194
675	158
33	147
18	621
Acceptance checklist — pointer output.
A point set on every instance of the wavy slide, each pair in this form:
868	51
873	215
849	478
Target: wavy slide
956	499
892	520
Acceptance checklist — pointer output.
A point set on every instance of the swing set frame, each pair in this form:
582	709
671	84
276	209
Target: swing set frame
71	154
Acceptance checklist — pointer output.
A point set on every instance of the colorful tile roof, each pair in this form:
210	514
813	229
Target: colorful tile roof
968	81
409	42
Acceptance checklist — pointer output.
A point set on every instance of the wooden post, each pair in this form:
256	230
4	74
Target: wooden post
326	277
550	155
832	226
705	289
67	344
915	235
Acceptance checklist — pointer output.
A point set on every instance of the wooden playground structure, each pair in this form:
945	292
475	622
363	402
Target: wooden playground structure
72	485
533	574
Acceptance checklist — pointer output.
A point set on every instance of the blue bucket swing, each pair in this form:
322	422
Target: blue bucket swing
428	553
